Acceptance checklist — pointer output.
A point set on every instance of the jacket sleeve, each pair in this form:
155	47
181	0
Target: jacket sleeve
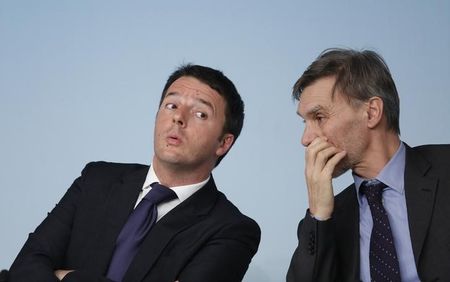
44	251
226	256
314	259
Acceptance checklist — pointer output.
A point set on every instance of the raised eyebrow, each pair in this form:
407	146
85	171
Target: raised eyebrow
206	103
171	94
202	101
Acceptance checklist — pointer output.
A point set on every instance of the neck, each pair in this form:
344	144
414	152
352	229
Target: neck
381	148
173	175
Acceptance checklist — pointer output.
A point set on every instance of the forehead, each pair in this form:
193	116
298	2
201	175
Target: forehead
193	86
319	94
196	93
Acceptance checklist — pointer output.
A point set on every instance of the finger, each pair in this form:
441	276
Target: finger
317	156
316	146
323	156
332	162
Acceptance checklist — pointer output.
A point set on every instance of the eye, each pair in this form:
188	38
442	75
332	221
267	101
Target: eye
170	106
201	115
319	118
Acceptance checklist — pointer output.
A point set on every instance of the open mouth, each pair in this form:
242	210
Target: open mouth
173	140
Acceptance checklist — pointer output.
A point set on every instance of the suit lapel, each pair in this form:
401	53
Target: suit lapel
118	206
347	229
420	191
181	217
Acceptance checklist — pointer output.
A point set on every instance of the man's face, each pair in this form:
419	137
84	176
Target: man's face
333	118
189	126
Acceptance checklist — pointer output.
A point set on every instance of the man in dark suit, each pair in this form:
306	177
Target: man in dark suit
392	223
196	233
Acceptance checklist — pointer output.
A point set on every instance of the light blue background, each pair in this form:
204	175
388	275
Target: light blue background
80	81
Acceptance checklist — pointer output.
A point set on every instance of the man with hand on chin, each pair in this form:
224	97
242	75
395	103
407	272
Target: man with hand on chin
163	222
392	223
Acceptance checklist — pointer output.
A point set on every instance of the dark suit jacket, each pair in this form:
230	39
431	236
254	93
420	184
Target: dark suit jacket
205	238
329	250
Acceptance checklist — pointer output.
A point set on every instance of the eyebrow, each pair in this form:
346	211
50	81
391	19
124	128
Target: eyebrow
311	111
202	101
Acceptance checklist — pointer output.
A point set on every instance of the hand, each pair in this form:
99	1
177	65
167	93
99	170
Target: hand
61	273
321	159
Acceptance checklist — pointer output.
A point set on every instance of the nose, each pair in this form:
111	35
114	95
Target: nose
178	118
309	134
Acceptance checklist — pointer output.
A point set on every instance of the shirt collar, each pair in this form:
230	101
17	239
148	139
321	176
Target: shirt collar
183	192
391	174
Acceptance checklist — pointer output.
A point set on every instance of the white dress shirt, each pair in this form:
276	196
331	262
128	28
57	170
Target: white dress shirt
183	192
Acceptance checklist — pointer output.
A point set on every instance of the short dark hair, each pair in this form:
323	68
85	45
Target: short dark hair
234	106
359	75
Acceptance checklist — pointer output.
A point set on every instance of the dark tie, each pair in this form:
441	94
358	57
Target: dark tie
383	257
136	228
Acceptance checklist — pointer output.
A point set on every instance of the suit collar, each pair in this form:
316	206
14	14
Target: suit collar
420	191
118	205
181	217
123	196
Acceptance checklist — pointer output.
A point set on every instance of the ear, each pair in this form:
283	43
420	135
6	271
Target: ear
225	144
374	111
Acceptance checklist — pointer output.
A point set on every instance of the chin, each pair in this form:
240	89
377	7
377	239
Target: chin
337	173
340	169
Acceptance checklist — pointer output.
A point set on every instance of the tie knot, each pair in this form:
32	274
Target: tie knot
160	193
372	189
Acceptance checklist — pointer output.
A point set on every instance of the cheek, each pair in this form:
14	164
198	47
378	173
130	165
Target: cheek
354	136
159	126
331	132
162	118
337	134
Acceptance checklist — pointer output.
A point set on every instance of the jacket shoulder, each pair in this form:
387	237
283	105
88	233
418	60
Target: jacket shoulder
436	154
430	160
103	171
434	151
100	166
231	212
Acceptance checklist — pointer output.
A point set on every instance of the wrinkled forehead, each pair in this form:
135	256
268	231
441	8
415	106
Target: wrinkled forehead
194	92
308	107
319	96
